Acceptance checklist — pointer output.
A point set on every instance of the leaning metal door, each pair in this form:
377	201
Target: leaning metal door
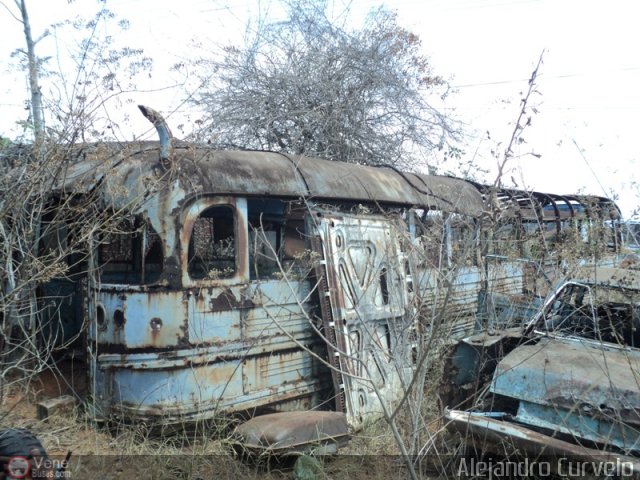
364	303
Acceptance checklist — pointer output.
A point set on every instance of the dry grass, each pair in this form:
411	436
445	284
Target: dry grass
133	452
124	452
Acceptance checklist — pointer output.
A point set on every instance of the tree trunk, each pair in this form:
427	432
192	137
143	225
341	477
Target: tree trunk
36	94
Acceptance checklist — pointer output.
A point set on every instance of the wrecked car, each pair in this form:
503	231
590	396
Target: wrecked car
566	384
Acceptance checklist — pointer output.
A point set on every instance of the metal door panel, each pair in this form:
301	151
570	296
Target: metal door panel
365	307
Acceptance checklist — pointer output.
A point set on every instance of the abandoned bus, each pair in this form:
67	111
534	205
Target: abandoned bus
257	281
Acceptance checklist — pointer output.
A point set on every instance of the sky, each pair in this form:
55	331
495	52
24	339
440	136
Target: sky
587	97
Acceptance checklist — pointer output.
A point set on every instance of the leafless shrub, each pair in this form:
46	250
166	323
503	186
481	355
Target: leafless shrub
312	85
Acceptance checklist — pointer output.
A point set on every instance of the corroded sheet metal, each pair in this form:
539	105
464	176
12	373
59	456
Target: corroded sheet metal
570	373
141	320
181	356
449	295
191	384
452	194
604	426
575	387
327	179
186	347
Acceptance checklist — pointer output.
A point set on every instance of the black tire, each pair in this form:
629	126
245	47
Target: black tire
18	442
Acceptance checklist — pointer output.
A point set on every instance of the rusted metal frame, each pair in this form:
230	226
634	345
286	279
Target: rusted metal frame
487	192
595	215
535	205
513	204
474	224
538	208
589	213
603	203
568	201
615	220
552	199
572	212
328	321
191	214
537	198
547	199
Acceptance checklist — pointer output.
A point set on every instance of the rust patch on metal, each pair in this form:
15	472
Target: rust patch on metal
225	301
228	301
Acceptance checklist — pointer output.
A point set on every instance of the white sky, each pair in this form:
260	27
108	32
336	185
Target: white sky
585	128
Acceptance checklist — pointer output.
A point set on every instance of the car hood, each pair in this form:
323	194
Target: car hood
599	380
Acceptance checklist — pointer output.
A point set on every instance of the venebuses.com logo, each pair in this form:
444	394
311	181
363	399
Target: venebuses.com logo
18	467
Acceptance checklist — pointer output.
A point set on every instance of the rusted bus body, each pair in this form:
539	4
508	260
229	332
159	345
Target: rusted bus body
204	301
255	280
496	269
551	227
536	239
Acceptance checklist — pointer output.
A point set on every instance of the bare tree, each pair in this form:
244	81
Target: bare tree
45	230
36	94
311	85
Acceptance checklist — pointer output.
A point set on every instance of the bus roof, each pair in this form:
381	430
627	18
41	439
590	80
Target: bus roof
205	171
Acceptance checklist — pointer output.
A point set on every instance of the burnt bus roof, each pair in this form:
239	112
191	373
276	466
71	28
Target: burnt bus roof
539	206
125	172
